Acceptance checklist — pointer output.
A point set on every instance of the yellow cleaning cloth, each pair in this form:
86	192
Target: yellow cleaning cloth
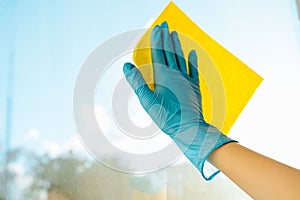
226	83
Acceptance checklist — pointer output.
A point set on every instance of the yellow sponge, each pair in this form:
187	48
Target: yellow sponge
226	83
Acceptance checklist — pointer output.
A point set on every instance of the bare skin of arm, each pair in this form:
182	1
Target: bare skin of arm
259	176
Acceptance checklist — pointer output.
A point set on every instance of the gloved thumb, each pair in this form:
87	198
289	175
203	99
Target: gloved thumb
138	84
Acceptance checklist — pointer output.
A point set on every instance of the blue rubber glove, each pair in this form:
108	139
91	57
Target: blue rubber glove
175	104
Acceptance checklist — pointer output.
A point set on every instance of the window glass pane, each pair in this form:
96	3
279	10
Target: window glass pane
43	45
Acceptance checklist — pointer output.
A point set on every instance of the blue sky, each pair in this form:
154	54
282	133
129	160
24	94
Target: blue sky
51	40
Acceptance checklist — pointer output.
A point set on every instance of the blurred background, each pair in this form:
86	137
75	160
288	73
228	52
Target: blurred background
42	47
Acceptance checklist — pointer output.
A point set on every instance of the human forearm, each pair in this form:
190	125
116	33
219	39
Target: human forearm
259	176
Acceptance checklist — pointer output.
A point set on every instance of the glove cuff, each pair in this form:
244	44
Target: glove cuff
213	139
205	139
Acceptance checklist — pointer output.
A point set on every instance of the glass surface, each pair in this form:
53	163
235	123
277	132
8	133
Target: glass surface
43	45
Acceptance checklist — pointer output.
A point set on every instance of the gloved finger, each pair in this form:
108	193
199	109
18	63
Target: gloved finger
157	53
158	56
138	84
193	65
178	52
168	46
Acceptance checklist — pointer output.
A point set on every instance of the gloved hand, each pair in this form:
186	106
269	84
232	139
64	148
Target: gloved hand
175	103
